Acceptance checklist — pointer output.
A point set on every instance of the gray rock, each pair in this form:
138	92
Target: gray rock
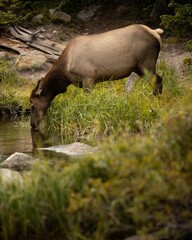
131	81
52	11
8	176
60	16
133	238
86	14
38	18
18	161
73	149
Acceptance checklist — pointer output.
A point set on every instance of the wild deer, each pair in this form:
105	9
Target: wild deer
90	59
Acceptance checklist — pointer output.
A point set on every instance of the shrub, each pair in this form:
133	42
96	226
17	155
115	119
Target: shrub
12	11
180	23
139	185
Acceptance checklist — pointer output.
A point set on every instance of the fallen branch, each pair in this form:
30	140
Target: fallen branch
32	39
8	48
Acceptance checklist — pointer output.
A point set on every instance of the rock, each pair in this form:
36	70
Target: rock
8	176
133	238
60	16
52	11
18	161
73	149
131	81
38	18
86	14
31	60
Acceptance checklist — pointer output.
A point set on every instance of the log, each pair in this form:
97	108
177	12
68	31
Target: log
32	39
8	48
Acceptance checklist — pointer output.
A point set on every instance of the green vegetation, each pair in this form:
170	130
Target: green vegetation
179	24
175	15
108	110
135	185
139	183
14	91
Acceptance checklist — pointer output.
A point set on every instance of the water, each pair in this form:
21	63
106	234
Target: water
16	136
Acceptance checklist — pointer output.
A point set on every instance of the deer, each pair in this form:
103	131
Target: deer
90	59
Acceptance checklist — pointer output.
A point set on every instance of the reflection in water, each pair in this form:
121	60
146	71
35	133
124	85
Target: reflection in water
17	137
38	139
14	138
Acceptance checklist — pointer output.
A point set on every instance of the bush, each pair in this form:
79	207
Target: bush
12	12
139	185
179	24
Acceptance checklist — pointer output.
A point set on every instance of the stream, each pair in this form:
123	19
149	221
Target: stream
16	136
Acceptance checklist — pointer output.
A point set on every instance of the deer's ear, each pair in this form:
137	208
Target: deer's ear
39	88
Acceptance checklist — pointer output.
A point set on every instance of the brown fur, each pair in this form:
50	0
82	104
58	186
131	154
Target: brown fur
90	59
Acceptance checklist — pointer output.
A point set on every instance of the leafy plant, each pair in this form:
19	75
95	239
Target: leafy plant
180	23
12	11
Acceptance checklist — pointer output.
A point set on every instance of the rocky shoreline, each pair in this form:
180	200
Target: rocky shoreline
18	162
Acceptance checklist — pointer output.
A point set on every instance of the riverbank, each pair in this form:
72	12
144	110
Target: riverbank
137	186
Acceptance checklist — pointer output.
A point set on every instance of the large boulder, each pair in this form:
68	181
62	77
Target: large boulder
18	161
38	18
9	176
59	16
86	14
74	149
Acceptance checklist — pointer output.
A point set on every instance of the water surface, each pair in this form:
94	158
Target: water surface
14	137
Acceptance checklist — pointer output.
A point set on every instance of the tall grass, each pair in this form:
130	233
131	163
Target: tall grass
106	111
14	91
109	110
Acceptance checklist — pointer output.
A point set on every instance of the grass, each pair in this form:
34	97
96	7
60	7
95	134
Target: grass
139	183
14	91
108	110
